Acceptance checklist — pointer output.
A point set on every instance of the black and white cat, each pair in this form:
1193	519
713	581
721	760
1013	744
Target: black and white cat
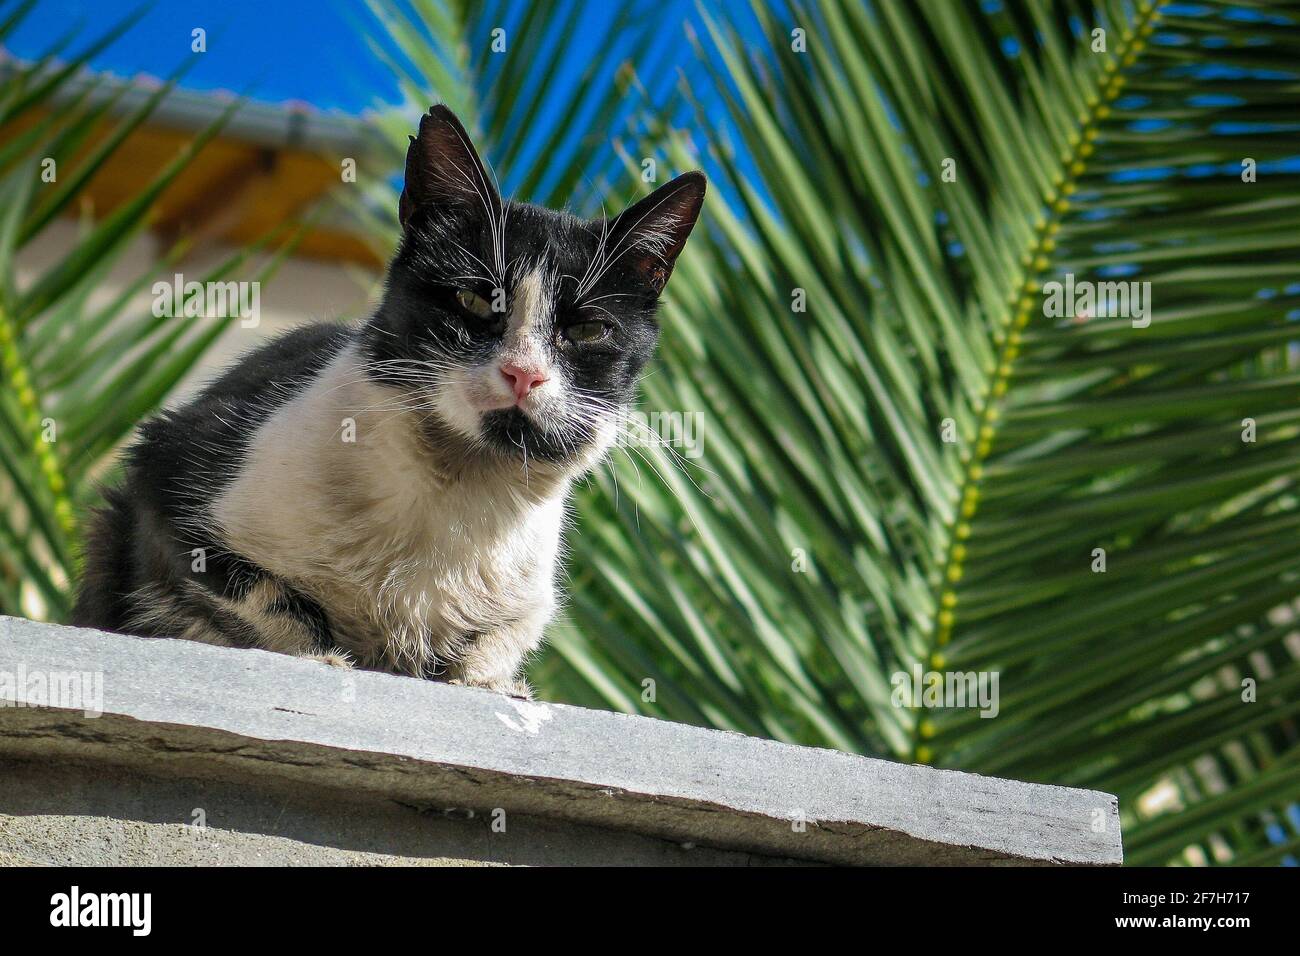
391	495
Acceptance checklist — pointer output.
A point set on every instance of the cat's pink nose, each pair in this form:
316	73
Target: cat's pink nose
522	380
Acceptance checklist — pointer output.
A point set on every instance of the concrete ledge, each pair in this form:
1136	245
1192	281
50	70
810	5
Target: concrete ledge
370	768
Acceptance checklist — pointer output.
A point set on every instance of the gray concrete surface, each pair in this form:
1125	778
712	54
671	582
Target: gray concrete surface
61	814
293	761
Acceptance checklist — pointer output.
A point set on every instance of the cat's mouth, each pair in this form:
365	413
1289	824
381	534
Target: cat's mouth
513	432
496	404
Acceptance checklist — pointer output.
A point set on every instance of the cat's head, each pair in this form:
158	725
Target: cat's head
519	331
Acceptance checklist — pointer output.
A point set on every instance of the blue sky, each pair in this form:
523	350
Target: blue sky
276	50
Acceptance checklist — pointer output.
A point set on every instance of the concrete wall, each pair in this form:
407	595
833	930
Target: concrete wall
177	753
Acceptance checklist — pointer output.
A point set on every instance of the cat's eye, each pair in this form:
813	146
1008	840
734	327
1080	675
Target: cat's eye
474	304
586	332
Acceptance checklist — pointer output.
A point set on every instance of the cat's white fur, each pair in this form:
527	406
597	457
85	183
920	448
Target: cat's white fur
422	566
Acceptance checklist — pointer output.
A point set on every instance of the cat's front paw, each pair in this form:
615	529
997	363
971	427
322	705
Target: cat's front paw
511	688
334	657
515	688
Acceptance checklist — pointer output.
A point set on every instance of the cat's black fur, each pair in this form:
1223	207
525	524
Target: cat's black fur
139	564
179	463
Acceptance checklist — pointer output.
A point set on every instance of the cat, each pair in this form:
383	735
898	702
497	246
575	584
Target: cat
392	494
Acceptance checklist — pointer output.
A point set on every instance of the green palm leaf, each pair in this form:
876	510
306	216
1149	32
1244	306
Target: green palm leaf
824	432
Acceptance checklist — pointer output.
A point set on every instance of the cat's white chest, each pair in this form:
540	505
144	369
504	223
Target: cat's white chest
462	567
337	502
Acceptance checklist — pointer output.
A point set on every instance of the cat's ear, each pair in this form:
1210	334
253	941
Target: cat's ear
650	234
442	169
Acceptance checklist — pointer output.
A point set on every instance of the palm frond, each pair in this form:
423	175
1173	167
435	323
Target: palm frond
923	170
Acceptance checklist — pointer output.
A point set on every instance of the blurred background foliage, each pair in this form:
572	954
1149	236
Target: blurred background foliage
77	374
841	311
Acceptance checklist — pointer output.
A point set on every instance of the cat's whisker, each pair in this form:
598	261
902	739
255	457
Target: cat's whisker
676	496
610	295
657	238
486	276
681	464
